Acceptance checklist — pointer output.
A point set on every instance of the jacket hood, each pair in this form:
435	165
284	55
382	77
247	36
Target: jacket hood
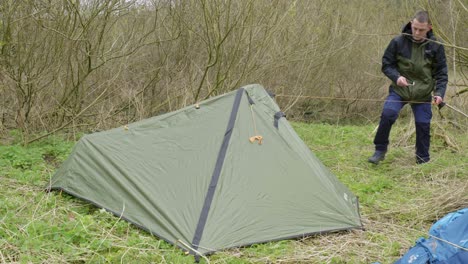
407	32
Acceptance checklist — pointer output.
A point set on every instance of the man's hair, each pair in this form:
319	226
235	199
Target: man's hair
422	16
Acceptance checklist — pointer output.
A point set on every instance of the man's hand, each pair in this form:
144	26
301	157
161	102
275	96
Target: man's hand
402	81
438	100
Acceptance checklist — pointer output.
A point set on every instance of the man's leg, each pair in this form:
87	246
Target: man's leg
391	109
422	115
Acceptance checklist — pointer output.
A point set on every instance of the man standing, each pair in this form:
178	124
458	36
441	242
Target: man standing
417	67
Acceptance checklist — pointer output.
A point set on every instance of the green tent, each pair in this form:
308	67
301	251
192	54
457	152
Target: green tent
227	172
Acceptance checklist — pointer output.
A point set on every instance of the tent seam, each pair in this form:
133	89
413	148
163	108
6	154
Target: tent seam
216	173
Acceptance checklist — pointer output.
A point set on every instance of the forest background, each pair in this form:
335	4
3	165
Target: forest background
72	67
82	66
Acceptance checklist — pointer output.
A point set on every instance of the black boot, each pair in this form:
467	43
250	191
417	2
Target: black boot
422	161
377	157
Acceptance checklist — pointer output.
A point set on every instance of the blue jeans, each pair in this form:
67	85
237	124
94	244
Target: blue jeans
422	114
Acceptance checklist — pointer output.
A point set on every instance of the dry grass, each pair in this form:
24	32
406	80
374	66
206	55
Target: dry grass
399	202
385	237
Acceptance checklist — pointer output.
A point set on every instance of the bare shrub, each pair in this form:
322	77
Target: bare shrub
92	65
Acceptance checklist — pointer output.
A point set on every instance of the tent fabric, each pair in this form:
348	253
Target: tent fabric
194	178
447	242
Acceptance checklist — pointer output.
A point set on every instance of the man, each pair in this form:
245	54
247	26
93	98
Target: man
417	67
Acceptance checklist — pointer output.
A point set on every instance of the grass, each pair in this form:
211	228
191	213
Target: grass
399	201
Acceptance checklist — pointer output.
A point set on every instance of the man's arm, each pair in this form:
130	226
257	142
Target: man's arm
389	62
440	72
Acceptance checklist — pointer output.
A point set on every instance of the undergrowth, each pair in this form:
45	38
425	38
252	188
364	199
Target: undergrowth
399	200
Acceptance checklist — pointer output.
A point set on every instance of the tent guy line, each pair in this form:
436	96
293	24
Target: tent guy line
346	98
371	100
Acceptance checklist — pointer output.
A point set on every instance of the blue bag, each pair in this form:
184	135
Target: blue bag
447	242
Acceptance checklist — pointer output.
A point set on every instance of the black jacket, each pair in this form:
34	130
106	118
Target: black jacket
422	63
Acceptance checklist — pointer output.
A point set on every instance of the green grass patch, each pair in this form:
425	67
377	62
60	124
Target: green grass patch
399	200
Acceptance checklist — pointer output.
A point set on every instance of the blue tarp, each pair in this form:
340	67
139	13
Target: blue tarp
447	242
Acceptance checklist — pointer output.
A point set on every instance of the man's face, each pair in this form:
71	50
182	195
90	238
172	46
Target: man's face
419	30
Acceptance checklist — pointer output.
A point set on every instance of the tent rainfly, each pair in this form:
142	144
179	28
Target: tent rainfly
227	172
